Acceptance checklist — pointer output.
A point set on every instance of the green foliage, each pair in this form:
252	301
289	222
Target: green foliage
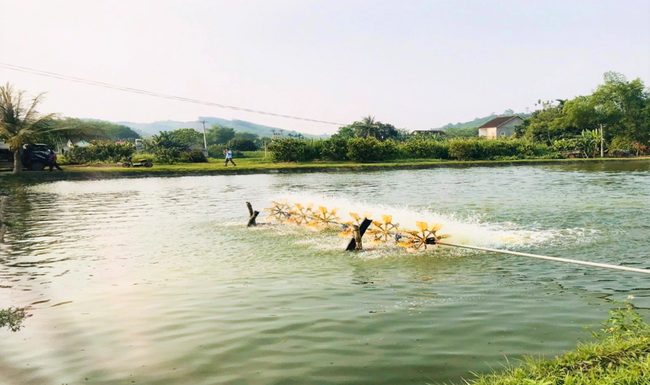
12	318
501	149
621	106
166	155
219	134
289	150
589	143
624	322
367	149
20	123
216	150
368	127
461	132
621	143
565	145
425	149
187	137
102	152
621	356
346	133
193	156
464	149
242	144
166	140
335	149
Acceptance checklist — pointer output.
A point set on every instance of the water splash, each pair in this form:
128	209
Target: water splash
470	229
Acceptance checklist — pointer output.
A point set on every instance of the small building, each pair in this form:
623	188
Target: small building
501	127
72	143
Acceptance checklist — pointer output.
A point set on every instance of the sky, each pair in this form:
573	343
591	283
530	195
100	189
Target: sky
414	64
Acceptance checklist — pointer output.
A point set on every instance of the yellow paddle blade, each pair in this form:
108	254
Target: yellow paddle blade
421	225
405	244
413	232
387	218
322	209
298	206
355	216
378	224
443	236
435	227
333	212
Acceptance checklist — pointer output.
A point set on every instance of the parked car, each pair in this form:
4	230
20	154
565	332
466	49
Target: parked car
5	154
36	156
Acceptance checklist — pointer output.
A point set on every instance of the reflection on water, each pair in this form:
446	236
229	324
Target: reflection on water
158	281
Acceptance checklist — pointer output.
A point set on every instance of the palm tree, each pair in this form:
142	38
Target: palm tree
21	124
367	127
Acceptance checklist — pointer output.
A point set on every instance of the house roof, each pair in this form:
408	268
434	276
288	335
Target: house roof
500	121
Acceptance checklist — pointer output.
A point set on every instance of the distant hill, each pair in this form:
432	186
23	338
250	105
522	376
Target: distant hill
480	121
154	128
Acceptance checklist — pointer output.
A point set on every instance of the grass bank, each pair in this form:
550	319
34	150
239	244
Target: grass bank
255	165
620	355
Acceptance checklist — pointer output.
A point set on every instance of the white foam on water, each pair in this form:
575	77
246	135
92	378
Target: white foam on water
469	230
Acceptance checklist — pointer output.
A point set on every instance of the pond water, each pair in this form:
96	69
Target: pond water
158	281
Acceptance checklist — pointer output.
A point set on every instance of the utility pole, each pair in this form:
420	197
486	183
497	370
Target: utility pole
205	140
602	142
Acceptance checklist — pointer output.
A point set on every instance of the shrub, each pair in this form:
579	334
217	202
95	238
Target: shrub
389	150
313	150
288	150
500	149
364	149
193	156
166	155
621	143
242	144
565	145
216	150
462	149
100	152
424	149
335	149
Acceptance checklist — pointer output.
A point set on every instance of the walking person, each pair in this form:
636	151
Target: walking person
228	153
52	160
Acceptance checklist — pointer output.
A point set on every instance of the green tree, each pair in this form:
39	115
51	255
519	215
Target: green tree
247	135
187	136
21	124
544	125
623	107
218	134
242	144
346	132
368	127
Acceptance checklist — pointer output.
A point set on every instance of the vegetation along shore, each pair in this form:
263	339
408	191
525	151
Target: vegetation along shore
613	122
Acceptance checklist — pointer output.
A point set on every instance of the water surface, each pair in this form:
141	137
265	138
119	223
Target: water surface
157	281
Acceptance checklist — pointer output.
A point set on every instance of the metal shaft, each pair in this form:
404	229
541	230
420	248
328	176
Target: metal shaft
565	260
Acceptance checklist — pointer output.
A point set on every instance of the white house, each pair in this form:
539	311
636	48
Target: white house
501	127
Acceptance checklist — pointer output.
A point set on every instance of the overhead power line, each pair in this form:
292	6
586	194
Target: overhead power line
155	94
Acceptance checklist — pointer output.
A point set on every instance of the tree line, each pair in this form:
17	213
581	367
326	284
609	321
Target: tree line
616	114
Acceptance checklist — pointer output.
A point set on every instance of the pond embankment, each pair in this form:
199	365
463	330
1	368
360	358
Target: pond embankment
258	166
